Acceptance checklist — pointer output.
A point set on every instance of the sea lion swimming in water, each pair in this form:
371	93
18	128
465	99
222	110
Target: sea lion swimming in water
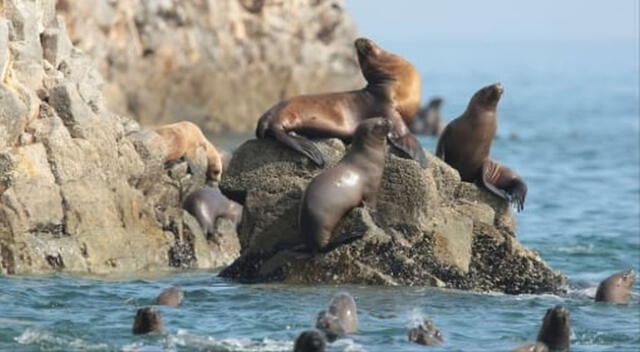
555	331
393	91
147	320
426	334
428	119
171	296
353	181
617	287
532	347
310	341
466	142
340	319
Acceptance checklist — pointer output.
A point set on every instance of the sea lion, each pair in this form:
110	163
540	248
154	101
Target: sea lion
426	334
556	329
617	287
147	320
353	181
340	319
207	205
428	119
393	90
310	341
465	144
532	347
182	139
171	296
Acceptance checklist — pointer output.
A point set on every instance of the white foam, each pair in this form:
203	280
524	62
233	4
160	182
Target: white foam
32	336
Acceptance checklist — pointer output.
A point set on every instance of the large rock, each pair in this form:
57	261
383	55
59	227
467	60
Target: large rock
217	63
429	228
82	189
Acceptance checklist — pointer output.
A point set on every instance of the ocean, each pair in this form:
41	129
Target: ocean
568	123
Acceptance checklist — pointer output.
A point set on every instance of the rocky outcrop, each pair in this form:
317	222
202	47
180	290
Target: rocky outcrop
219	63
429	228
81	188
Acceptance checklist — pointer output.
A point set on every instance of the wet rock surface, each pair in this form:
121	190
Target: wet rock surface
429	228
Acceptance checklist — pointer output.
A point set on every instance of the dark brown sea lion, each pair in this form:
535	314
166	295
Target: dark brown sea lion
353	181
556	329
147	320
466	142
171	296
532	347
393	91
208	204
310	341
341	318
182	139
428	119
617	287
426	334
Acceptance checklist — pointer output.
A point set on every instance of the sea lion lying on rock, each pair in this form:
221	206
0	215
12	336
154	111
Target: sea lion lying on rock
340	319
182	139
393	91
355	180
617	287
466	142
207	205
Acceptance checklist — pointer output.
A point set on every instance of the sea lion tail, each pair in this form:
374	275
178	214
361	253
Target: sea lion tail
299	144
409	145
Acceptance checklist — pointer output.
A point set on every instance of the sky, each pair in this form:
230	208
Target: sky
497	20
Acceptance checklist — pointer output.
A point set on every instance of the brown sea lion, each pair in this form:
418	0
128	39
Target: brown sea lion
341	318
171	296
393	91
182	139
207	205
532	347
466	142
353	181
556	329
428	119
426	334
147	320
310	341
617	287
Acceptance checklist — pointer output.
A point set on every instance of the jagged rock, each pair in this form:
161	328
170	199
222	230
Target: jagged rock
80	191
429	228
217	63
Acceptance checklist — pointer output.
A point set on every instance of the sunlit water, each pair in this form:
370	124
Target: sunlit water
568	123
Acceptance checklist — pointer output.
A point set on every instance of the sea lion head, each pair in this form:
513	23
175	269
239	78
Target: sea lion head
372	131
394	74
488	97
435	103
556	328
310	341
330	325
626	279
426	334
147	320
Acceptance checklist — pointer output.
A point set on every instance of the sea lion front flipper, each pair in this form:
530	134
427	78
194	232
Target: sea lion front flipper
402	139
301	145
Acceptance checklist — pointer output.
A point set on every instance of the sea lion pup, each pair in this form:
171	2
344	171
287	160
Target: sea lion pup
428	120
353	181
310	341
532	347
465	144
147	320
426	334
171	296
556	329
340	319
617	287
182	139
393	91
207	205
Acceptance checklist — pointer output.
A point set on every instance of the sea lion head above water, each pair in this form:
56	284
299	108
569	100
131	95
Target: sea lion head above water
617	287
385	70
486	99
147	320
426	334
555	331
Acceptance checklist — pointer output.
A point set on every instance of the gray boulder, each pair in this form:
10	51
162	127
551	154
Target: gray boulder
429	228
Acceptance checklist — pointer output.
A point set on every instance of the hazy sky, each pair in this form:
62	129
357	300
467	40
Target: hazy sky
497	20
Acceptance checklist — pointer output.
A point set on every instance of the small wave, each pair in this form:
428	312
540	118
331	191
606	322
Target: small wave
586	248
44	338
185	339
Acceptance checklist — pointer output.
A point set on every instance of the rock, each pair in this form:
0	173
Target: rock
172	60
83	190
429	228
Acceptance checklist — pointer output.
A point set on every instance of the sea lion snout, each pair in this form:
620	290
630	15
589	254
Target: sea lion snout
629	277
364	46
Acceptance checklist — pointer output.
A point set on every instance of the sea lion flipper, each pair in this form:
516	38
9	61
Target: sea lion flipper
503	182
488	170
301	145
410	146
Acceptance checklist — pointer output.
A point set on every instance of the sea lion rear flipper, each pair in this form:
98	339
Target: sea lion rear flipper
503	182
301	145
401	138
489	169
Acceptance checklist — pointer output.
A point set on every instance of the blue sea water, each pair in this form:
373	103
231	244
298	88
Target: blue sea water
568	123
